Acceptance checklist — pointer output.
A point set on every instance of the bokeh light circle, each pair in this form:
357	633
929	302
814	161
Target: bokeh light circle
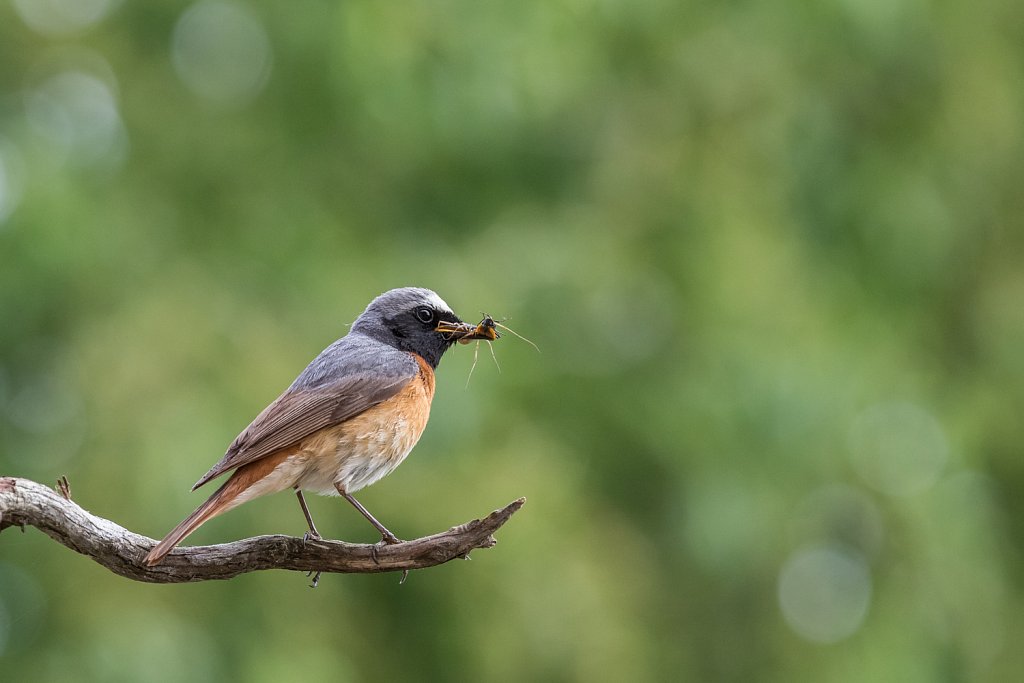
824	592
221	52
58	17
898	447
77	113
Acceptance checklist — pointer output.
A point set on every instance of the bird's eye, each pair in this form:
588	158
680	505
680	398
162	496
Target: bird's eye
425	315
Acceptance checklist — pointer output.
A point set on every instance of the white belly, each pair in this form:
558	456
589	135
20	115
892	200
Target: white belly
355	462
367	447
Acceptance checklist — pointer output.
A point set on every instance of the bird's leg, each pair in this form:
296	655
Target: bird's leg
312	534
386	536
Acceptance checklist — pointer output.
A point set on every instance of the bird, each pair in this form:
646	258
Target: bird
349	419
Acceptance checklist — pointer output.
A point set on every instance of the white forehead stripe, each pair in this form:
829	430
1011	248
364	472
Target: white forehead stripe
437	302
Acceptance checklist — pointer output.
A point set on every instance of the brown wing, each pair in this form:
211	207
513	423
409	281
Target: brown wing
299	412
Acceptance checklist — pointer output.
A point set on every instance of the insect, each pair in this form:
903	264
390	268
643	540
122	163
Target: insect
487	330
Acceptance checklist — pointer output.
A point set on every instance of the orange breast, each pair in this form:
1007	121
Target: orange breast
371	445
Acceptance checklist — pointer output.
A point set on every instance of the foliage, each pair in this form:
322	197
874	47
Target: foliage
770	253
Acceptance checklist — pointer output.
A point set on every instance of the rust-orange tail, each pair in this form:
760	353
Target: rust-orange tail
217	503
223	499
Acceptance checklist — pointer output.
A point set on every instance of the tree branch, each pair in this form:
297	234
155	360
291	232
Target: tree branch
26	503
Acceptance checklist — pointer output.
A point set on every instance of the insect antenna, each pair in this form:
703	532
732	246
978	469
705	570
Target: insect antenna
511	331
491	347
476	354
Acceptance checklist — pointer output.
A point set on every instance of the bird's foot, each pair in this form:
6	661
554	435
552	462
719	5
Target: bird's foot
389	539
385	540
312	535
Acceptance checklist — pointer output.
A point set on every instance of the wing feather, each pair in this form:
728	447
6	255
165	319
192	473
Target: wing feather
316	400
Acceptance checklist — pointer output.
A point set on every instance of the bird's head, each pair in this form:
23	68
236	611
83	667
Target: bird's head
417	320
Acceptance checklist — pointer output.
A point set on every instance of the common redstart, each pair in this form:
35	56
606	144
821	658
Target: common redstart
350	417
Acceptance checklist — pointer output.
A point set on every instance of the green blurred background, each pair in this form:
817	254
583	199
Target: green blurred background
771	253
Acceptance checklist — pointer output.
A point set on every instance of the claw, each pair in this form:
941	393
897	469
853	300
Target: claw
389	539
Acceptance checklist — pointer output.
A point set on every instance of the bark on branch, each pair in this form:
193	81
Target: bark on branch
27	503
